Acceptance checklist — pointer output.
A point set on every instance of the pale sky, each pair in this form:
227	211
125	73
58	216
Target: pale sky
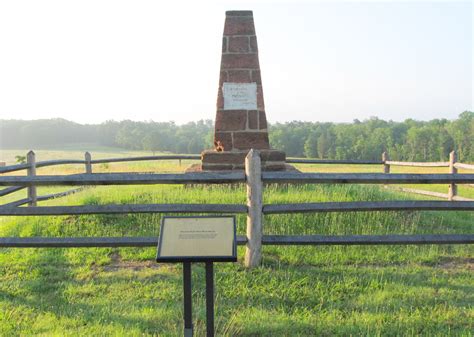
90	61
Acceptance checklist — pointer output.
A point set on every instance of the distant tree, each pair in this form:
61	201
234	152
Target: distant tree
311	146
152	141
323	145
462	133
367	139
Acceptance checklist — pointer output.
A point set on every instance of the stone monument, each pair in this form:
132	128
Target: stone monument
241	123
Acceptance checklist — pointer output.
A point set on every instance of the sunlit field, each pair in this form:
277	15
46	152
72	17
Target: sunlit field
299	291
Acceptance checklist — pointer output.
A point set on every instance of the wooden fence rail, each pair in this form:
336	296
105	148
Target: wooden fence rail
46	197
300	240
364	206
123	209
359	206
13	168
333	161
364	178
146	158
233	177
464	166
10	190
418	164
346	240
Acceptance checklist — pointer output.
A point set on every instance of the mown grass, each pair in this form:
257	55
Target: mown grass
298	291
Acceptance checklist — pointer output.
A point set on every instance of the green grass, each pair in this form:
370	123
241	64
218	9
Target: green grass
390	290
298	291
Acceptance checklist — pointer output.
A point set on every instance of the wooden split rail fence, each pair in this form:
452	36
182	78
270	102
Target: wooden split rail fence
31	165
453	166
255	208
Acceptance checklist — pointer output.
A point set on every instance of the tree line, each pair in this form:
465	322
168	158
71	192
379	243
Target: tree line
408	140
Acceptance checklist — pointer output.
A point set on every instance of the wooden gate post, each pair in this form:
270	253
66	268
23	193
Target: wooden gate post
31	160
87	158
253	173
453	189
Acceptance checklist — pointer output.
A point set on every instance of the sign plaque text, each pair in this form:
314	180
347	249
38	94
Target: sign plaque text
240	96
197	239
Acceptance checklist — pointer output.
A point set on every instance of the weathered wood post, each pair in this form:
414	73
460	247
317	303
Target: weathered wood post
87	158
253	173
386	167
453	189
31	160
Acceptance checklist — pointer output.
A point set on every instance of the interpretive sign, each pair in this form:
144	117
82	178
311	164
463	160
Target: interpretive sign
206	239
240	96
197	239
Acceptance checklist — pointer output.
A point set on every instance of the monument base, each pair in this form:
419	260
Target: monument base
211	160
196	168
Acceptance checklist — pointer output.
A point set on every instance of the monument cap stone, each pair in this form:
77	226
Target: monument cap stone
241	122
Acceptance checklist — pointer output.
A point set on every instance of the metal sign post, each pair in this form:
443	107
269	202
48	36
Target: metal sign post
210	299
198	239
187	299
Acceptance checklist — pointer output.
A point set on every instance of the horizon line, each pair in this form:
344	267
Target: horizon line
212	120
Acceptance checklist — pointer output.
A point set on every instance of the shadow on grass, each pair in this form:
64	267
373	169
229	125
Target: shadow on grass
49	292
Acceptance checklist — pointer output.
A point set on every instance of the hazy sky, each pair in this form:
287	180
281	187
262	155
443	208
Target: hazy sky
91	61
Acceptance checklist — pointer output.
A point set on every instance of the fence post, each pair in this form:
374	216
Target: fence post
453	189
386	167
31	172
87	158
253	173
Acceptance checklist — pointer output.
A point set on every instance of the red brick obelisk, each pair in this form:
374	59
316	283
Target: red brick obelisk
241	123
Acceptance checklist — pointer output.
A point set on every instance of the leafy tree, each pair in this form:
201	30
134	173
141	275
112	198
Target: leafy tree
311	146
152	141
323	145
407	140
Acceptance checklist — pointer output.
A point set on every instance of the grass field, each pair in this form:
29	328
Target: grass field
298	291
